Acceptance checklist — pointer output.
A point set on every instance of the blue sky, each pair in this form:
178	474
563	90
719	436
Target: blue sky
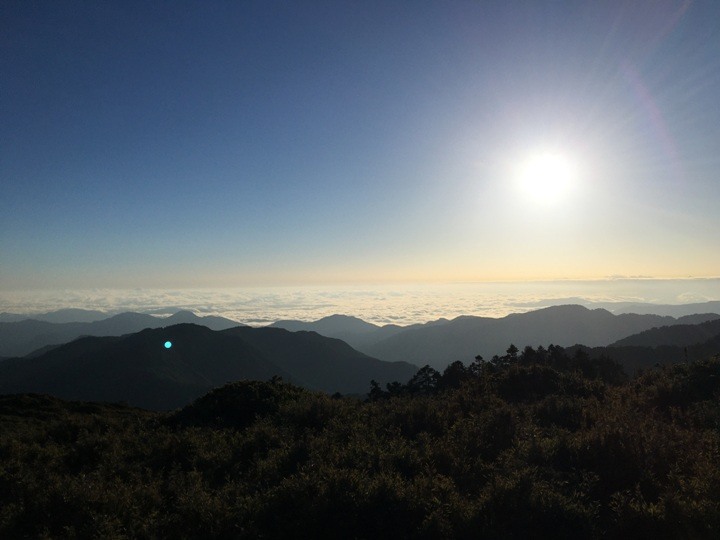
190	144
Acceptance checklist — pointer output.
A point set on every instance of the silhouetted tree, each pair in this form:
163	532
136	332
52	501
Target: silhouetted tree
528	356
454	375
557	357
477	366
396	388
375	391
425	381
541	355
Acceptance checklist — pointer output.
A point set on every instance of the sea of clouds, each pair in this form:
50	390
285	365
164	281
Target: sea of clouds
379	304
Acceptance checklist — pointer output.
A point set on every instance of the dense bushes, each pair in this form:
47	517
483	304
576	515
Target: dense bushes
533	443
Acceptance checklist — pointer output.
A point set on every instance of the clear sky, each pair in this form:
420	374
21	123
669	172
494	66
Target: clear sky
190	144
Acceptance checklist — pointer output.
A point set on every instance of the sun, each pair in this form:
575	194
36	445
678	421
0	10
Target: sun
546	178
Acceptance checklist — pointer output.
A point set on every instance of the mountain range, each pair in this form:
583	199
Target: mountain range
58	316
678	335
444	341
659	346
645	308
639	308
23	337
633	358
138	368
354	331
436	343
122	358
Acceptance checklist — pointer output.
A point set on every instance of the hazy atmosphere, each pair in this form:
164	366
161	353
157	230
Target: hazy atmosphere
187	145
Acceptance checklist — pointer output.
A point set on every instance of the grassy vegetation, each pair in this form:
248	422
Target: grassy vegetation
531	443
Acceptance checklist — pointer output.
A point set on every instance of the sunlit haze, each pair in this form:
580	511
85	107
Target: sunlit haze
154	145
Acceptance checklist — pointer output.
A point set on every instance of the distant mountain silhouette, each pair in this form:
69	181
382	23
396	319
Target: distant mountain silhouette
440	342
27	336
635	357
697	318
329	325
323	363
59	316
354	331
138	369
679	335
671	310
12	317
465	337
213	322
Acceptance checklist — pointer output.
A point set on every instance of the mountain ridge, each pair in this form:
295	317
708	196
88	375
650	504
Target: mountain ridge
139	369
679	335
436	342
58	316
27	336
464	338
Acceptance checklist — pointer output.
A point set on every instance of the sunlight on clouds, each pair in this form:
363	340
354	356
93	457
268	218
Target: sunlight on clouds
397	304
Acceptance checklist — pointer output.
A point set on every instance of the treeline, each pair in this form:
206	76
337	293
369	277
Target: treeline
533	443
430	381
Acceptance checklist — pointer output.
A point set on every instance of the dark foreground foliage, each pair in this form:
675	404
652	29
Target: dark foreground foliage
527	445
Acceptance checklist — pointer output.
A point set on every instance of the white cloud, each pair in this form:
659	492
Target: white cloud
381	305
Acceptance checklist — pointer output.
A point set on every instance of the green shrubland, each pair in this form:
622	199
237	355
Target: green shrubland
531	444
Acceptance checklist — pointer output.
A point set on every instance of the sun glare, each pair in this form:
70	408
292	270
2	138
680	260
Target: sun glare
546	178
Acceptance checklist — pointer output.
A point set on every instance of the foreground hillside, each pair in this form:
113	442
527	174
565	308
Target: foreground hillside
533	443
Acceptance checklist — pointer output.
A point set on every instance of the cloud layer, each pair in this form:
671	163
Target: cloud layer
402	304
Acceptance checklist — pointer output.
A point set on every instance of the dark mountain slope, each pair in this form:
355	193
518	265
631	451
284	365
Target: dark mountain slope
59	316
680	335
356	332
697	318
635	357
24	337
213	322
672	310
323	363
138	369
351	330
329	326
465	337
440	342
